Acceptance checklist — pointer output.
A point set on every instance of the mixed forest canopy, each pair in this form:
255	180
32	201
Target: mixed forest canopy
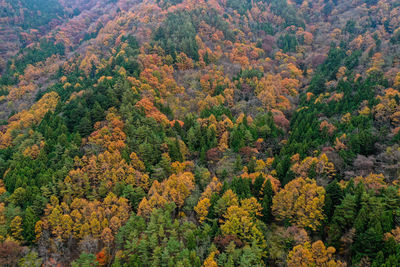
200	133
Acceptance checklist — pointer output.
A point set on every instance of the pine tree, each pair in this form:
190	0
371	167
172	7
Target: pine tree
257	186
238	164
97	112
334	196
267	202
85	126
192	139
29	223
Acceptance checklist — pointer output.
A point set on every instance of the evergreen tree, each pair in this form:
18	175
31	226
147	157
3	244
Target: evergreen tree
29	222
267	202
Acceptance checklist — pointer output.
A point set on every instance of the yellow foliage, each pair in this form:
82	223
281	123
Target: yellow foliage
175	189
395	233
213	187
27	118
16	228
365	111
317	254
397	80
82	217
372	181
202	209
301	202
210	261
321	166
241	221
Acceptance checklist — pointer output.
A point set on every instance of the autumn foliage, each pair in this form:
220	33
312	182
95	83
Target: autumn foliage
199	133
301	201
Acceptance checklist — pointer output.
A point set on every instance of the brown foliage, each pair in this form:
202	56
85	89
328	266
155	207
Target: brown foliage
223	241
10	253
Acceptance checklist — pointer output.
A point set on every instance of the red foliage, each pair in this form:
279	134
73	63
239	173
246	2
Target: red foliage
248	152
223	241
214	154
102	258
10	252
151	111
268	44
280	119
317	60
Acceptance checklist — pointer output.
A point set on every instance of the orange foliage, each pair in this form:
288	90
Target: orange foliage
183	62
271	92
253	176
158	76
98	174
82	217
301	202
213	78
313	255
19	91
32	151
102	257
330	128
152	112
88	62
321	166
175	189
109	134
27	118
213	187
388	109
372	181
340	142
395	233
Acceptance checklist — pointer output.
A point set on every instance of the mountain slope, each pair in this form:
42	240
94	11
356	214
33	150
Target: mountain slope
200	133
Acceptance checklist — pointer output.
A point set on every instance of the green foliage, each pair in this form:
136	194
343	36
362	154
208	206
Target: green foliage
333	198
288	43
36	14
141	240
240	6
29	222
267	202
85	260
357	217
178	34
287	12
44	50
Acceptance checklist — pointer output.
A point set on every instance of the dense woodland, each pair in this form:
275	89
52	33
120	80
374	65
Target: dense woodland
200	133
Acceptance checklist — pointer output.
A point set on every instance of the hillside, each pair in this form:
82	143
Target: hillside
199	133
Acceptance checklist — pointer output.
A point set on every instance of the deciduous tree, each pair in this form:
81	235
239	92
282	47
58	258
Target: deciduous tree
301	202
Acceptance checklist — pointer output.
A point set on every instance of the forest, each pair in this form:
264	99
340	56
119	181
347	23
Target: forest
204	133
